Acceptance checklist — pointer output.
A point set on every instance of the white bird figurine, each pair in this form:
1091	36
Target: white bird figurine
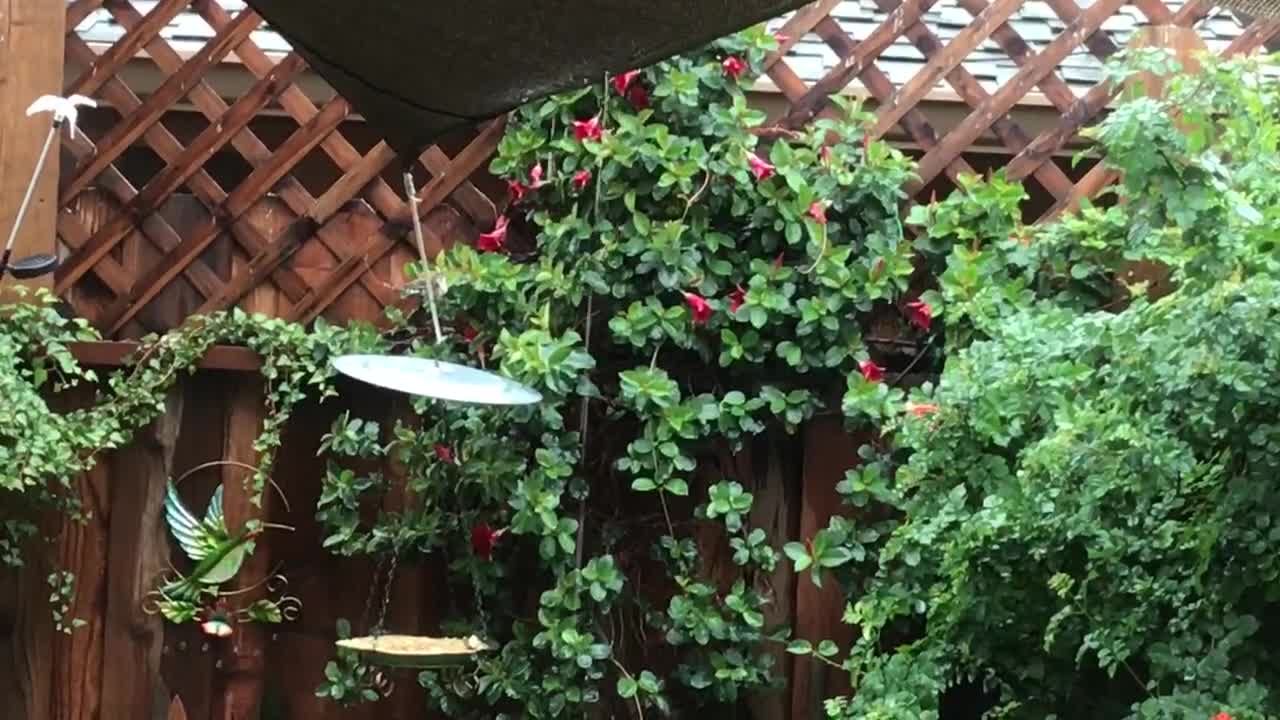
64	109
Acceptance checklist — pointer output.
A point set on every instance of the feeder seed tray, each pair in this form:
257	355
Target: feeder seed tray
413	651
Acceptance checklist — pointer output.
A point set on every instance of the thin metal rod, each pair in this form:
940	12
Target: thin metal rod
412	191
31	189
583	425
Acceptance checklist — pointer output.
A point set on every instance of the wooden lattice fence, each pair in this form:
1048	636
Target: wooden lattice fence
1029	157
141	256
144	253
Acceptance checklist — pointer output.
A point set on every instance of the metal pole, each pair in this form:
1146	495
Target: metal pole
26	199
412	192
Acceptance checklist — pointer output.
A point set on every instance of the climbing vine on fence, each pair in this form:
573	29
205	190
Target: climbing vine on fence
43	450
676	279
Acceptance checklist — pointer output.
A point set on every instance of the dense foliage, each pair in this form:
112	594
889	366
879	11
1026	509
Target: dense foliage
1087	525
1073	519
674	286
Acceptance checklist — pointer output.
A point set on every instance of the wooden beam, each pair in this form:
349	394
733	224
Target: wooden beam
31	33
116	354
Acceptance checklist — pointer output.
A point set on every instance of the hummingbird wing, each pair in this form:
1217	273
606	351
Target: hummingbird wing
197	540
229	564
213	517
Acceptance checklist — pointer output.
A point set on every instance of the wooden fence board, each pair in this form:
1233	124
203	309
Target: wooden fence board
31	34
131	683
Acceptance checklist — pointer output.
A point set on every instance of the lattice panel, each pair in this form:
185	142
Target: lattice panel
990	111
142	255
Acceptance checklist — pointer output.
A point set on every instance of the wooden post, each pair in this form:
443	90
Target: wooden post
829	452
31	50
244	653
1186	45
138	554
777	510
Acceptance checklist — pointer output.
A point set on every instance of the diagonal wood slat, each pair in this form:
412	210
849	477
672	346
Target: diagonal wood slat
125	49
119	138
856	61
1050	175
882	88
168	148
797	27
236	204
248	144
943	61
187	163
1003	100
466	162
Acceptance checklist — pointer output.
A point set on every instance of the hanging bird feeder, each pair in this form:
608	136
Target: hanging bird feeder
449	64
412	651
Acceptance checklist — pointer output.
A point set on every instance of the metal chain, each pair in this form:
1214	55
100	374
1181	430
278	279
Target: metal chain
367	617
386	593
484	616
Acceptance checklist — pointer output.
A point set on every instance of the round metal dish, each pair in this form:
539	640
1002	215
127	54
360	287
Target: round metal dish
412	651
436	379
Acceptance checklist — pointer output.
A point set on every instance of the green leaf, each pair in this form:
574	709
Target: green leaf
800	647
627	688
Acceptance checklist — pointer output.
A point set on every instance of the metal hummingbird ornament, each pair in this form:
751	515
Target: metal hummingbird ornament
217	555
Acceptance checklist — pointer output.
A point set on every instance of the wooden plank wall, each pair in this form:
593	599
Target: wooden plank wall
30	66
125	663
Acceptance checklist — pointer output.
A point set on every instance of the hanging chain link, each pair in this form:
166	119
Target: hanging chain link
386	592
484	616
367	617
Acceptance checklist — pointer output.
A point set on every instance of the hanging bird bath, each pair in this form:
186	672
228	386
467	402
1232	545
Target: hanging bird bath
412	651
437	379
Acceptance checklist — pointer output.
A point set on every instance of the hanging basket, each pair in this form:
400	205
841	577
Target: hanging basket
414	651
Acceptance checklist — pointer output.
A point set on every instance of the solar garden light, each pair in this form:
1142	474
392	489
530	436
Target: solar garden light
65	111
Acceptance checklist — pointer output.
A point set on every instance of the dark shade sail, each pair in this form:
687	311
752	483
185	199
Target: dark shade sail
417	69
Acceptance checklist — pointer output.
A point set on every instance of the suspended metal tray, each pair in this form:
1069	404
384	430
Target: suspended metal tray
436	379
413	651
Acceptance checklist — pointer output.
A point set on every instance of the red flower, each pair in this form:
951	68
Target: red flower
621	83
700	308
871	371
581	179
494	240
535	176
638	95
587	129
1222	716
517	190
761	169
921	409
484	539
736	299
468	331
920	313
734	67
818	212
444	453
